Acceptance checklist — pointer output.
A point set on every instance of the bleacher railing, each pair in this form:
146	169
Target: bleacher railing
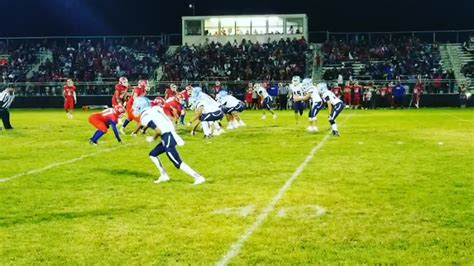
444	86
442	36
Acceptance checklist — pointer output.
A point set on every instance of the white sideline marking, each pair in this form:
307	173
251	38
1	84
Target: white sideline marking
237	246
242	211
315	210
54	165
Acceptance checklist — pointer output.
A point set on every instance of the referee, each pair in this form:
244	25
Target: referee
6	99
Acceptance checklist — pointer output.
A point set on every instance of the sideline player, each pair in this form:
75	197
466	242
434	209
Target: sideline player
105	119
296	90
312	92
70	99
155	119
348	94
334	104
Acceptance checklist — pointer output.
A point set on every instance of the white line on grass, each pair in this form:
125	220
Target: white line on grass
54	165
237	246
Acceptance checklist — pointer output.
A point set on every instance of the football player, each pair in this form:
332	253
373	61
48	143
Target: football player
348	94
69	94
266	101
173	107
139	91
312	92
157	120
105	119
232	107
207	113
335	106
120	93
296	91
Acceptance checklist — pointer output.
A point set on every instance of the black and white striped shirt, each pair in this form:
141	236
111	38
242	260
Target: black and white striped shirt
6	99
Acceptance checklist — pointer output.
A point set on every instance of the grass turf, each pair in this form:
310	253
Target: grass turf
396	187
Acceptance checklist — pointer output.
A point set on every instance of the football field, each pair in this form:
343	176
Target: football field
396	187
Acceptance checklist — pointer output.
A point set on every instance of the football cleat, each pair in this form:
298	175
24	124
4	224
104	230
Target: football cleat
162	179
199	180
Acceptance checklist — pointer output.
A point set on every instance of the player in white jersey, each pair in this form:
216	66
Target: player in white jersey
232	107
312	92
296	90
335	105
156	119
266	100
207	113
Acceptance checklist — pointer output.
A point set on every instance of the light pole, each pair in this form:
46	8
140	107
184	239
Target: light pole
193	7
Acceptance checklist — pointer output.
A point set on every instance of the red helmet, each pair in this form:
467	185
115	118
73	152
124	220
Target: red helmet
69	82
158	101
143	84
123	81
173	87
119	109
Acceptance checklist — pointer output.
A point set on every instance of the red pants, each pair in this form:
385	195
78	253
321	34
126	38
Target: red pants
69	104
357	100
347	99
97	121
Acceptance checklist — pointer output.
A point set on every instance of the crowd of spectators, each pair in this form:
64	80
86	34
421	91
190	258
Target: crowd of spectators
82	60
16	60
468	70
277	60
99	60
386	59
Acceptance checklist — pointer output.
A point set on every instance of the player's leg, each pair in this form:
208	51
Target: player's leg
174	157
159	149
313	116
337	109
100	126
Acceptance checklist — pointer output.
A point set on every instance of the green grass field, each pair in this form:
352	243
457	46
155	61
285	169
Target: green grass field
396	187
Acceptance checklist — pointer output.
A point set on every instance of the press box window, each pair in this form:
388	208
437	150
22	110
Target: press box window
192	27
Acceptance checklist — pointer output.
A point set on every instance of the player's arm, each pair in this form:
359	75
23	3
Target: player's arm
114	127
303	98
197	116
153	126
64	94
75	98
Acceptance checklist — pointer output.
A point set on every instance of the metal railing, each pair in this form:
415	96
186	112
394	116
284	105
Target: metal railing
442	36
444	86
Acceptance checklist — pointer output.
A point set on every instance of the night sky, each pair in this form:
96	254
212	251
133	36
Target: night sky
153	17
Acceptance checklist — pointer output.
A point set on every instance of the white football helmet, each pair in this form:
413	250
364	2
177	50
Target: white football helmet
322	87
307	83
140	105
296	80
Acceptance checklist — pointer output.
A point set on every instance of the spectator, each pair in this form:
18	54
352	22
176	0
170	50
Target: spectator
399	95
283	96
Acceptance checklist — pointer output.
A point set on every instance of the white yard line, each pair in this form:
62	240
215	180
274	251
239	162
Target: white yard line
237	246
54	165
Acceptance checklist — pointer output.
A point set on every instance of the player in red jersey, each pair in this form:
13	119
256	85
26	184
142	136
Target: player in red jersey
105	119
173	107
69	94
389	95
348	94
217	88
357	89
417	91
184	106
171	91
138	91
120	92
337	91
